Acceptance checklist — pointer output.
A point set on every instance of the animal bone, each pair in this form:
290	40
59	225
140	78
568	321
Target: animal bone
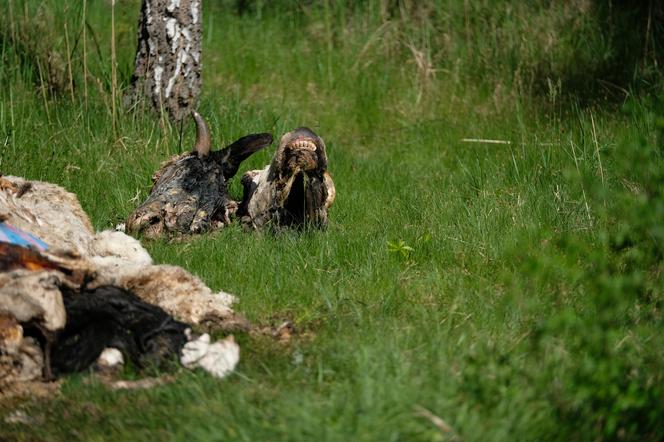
203	137
295	189
189	194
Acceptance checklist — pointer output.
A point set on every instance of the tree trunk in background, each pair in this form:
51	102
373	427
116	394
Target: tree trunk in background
168	56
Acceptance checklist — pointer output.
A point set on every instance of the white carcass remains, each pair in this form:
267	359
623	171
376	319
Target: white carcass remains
79	257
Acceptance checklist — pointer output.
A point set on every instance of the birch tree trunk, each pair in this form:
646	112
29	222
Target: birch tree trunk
168	57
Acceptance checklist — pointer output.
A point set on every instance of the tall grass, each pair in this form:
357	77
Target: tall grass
462	291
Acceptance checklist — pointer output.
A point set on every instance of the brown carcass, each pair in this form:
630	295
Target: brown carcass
190	193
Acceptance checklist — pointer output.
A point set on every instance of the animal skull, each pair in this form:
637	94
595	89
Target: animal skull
295	189
189	194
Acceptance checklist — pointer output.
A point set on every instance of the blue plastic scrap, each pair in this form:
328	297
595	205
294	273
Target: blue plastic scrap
14	235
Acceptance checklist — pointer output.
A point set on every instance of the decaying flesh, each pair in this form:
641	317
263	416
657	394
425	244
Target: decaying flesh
295	189
190	194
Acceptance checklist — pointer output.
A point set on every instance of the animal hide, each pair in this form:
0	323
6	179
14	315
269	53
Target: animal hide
105	258
31	308
46	211
189	192
36	323
112	317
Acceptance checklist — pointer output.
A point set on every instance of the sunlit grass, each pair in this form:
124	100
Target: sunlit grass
451	277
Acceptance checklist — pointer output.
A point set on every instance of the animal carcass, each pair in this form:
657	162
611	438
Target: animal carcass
190	194
55	216
67	292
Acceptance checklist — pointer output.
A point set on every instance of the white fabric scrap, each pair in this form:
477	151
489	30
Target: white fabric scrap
218	359
194	351
110	358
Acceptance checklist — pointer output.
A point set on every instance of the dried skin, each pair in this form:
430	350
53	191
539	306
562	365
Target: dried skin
188	196
140	384
120	261
11	333
185	297
21	358
190	193
33	297
73	269
13	257
31	282
29	389
7	186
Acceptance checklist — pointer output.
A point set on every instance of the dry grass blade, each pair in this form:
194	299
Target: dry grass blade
599	158
437	422
141	384
484	140
69	70
583	189
85	54
114	73
375	36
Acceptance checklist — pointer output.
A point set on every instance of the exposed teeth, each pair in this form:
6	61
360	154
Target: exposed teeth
304	144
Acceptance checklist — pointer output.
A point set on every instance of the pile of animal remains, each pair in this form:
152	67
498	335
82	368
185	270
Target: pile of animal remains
71	299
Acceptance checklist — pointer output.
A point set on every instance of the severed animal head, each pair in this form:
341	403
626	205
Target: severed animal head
295	190
189	193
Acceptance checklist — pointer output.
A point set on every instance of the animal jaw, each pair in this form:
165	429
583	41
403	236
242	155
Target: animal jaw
295	190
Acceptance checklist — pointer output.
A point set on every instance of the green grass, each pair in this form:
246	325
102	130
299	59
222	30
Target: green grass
515	291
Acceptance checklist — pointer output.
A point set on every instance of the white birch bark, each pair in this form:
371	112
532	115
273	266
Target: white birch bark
168	56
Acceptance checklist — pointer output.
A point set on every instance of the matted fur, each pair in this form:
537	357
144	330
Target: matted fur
48	211
54	215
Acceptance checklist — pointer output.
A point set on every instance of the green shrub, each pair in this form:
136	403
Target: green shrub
605	377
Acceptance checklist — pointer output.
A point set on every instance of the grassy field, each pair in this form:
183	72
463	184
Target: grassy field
463	291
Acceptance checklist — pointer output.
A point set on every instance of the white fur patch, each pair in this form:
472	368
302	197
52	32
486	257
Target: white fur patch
114	244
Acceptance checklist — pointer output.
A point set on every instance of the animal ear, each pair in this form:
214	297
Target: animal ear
231	156
203	138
